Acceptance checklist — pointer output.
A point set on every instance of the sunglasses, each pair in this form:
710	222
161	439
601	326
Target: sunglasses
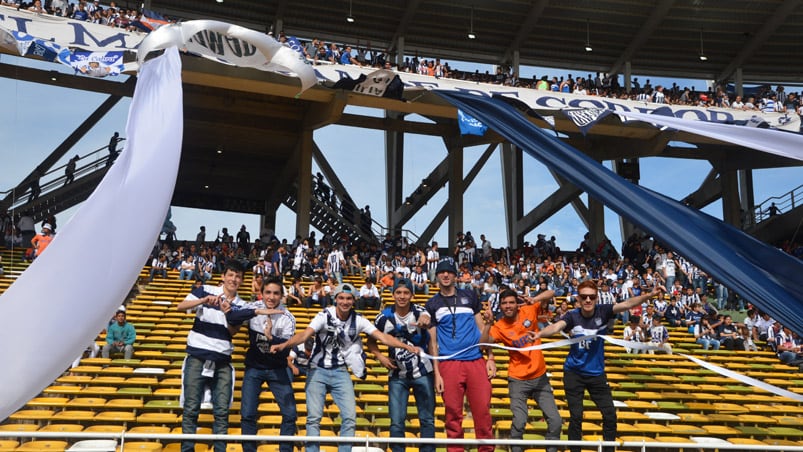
591	297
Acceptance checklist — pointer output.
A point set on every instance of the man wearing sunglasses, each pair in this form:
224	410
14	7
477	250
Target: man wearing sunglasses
584	368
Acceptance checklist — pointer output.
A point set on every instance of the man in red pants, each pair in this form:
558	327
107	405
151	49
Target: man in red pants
455	331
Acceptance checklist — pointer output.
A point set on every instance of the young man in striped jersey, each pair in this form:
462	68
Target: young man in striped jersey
408	323
338	347
209	348
269	322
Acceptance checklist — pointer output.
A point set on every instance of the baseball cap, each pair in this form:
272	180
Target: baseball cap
344	288
121	308
446	265
403	282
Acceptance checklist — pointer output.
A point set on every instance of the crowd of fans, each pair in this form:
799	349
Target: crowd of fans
764	98
112	15
693	301
317	51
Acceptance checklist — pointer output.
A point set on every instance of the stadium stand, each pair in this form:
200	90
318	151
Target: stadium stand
659	397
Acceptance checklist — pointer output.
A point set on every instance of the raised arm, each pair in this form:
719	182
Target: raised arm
635	301
551	330
298	338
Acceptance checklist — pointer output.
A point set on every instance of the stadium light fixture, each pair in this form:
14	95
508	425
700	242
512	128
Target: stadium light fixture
588	36
702	53
350	19
471	34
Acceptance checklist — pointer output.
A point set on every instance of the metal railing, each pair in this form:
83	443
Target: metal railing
56	177
783	203
369	442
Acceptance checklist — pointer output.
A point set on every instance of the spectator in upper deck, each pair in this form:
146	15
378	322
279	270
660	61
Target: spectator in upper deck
80	13
347	58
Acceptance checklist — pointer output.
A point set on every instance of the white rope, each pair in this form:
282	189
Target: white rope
637	346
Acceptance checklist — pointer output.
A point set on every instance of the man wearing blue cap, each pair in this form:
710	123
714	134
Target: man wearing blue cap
338	347
456	325
408	323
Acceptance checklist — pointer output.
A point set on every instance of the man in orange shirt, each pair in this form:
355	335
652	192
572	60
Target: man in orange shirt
41	241
527	369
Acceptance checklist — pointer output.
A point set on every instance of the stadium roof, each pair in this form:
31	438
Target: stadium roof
659	37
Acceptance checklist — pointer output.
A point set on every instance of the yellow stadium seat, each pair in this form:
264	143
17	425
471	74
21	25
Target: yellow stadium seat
74	415
142	446
62	428
43	446
115	416
8	445
32	415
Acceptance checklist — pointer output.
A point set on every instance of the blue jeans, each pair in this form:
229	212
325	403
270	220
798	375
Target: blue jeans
670	282
337	382
193	385
280	385
706	342
185	274
722	296
158	271
699	282
424	392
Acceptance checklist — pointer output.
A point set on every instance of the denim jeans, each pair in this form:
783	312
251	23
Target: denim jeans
706	343
424	392
337	382
575	386
193	383
185	274
158	271
539	390
700	282
280	385
722	296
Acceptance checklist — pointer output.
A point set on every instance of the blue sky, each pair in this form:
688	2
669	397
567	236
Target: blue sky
36	118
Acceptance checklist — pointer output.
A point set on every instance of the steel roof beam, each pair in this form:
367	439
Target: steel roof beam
658	13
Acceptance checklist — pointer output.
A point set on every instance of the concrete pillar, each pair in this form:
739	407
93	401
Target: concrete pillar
516	63
455	193
303	199
627	76
626	228
740	82
394	168
278	25
400	51
267	222
596	220
513	183
747	200
730	197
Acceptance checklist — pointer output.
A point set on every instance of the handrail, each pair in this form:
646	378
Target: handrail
380	232
60	169
784	203
368	440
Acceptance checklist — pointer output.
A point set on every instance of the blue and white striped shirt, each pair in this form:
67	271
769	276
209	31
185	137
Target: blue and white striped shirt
209	338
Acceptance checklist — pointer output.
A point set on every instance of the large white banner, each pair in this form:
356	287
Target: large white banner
549	100
69	32
60	303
